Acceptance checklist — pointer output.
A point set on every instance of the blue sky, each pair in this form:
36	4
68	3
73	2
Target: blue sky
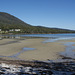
48	13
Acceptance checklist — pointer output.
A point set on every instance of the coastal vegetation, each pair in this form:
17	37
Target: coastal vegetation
11	24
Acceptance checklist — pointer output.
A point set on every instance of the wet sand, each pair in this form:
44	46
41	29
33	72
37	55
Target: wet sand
43	51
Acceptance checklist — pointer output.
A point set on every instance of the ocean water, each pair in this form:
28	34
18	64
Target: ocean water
52	37
49	35
39	35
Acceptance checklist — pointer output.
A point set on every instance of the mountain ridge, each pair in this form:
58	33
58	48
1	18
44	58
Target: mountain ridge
8	21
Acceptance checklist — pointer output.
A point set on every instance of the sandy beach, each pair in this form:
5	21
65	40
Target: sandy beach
43	51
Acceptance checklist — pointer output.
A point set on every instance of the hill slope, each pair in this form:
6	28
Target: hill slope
8	22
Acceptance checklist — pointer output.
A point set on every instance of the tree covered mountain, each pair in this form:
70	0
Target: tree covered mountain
8	22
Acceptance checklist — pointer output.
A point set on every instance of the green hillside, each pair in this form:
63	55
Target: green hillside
8	22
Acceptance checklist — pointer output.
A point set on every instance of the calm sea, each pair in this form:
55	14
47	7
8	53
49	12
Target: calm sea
52	37
49	35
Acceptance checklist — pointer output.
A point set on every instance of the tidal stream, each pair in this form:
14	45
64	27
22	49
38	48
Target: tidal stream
17	54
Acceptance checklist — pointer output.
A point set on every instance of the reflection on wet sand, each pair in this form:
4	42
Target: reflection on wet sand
17	54
68	53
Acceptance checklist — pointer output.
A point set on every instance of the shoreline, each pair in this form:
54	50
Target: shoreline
44	58
42	51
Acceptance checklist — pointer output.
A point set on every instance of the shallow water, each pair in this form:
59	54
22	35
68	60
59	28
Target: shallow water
57	39
48	35
24	49
69	47
37	35
69	50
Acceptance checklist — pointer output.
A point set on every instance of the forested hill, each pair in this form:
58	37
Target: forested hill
9	22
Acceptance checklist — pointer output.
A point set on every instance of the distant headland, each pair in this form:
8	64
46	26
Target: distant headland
11	24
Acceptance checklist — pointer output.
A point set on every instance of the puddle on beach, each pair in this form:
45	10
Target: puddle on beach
17	54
